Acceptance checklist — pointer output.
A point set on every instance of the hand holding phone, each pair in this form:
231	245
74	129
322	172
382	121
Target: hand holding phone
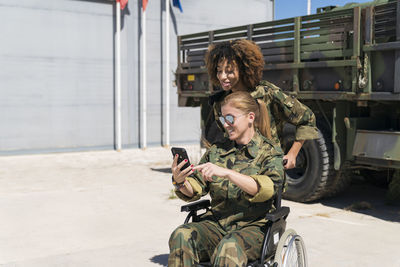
179	175
182	155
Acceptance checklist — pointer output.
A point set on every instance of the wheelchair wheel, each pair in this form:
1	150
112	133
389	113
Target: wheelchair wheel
290	251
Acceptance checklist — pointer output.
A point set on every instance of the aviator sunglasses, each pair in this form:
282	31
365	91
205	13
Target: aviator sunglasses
230	119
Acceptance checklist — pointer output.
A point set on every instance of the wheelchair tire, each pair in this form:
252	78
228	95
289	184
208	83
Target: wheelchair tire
290	251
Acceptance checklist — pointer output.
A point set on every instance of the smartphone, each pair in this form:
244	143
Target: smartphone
182	155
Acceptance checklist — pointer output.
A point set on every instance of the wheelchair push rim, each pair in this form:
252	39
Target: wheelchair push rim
290	251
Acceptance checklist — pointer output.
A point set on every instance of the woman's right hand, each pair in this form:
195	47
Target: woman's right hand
178	174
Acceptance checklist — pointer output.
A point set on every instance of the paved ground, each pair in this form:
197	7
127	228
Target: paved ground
114	209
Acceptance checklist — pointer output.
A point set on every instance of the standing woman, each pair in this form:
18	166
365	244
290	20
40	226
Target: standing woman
242	175
237	66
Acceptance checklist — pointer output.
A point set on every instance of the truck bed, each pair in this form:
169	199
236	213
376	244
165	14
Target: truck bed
347	54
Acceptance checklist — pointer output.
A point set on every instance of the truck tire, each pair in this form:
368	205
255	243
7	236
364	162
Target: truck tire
307	181
338	181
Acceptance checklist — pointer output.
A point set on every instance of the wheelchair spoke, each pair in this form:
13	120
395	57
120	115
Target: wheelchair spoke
291	250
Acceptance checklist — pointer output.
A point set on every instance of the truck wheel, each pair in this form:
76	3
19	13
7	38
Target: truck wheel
338	181
307	181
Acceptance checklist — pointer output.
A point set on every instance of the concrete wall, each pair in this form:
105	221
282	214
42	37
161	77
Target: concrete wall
57	70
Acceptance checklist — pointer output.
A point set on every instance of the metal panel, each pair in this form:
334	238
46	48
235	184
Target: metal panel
377	145
56	67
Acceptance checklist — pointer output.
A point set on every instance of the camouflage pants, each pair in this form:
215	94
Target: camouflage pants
203	241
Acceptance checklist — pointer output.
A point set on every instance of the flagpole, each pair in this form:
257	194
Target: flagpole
144	85
118	78
167	73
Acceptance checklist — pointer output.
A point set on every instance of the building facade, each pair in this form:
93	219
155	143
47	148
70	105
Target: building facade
57	70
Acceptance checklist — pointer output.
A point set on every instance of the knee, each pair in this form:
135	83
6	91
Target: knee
180	235
229	253
228	246
182	247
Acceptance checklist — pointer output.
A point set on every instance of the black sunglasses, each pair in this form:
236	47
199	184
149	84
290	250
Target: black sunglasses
230	119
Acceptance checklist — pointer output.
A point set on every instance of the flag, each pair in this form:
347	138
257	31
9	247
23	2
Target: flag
177	3
144	4
123	3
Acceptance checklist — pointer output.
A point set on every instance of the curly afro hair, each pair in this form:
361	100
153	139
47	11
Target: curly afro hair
244	53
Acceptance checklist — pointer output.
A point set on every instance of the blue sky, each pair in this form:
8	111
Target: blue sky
294	8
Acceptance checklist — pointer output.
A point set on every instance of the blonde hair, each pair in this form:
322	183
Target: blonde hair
245	102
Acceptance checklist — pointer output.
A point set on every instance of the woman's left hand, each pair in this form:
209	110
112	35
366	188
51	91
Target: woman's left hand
208	170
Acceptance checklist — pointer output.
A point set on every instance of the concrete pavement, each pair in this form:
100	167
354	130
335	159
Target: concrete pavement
109	208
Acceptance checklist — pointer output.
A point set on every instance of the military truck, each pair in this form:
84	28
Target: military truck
343	63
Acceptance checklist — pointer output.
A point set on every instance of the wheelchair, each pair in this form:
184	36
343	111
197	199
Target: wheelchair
281	247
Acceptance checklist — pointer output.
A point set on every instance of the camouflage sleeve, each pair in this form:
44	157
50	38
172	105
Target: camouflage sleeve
289	109
200	187
217	110
270	176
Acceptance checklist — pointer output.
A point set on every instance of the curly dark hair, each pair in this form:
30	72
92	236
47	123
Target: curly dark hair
244	53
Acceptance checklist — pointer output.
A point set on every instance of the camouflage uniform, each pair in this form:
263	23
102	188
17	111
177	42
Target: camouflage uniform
231	233
281	108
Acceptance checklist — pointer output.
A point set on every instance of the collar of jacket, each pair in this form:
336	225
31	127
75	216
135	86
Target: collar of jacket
252	147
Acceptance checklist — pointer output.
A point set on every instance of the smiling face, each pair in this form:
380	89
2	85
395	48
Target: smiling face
228	76
242	129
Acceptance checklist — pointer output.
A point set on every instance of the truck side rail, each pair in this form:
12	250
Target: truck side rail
318	40
327	42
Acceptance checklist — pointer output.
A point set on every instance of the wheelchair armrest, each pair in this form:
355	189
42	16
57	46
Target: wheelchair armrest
277	214
202	204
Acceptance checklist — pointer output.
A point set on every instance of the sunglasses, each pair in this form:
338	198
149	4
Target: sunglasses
230	119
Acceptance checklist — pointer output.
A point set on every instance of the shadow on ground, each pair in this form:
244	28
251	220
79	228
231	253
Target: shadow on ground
160	259
164	170
365	198
360	196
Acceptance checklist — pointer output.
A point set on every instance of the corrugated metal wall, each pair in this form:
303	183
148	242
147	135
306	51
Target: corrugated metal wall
57	70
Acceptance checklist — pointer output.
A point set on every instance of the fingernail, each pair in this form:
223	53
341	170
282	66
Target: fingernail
191	165
176	155
192	170
185	160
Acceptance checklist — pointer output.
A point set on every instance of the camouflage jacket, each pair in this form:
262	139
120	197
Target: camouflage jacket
281	108
231	207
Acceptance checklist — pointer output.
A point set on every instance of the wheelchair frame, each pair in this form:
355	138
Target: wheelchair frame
276	225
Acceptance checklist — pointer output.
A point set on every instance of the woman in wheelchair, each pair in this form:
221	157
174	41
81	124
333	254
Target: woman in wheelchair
242	174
